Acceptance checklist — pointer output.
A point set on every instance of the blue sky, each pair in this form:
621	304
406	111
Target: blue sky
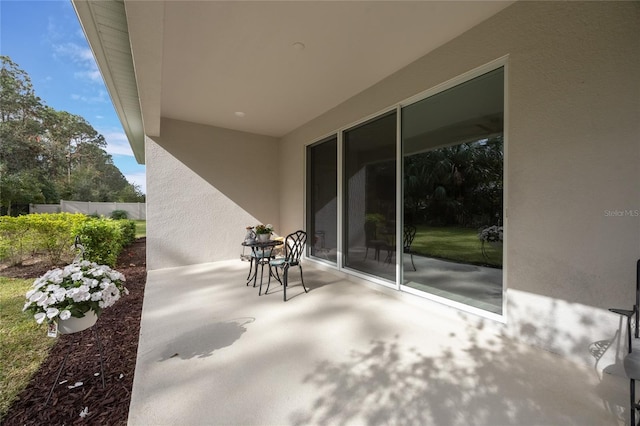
45	39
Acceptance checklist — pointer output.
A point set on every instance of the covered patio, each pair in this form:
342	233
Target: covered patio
226	103
214	352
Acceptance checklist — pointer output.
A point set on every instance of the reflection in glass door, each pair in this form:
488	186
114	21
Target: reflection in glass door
370	197
322	200
452	145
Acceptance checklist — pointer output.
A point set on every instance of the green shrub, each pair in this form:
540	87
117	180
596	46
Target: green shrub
102	240
128	228
119	214
26	235
16	239
54	233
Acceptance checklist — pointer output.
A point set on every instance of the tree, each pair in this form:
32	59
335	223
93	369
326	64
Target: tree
47	154
20	130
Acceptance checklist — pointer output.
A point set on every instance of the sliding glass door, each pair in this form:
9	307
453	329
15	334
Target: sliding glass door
452	144
450	192
370	196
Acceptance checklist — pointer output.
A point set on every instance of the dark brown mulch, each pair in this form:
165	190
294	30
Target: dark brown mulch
118	329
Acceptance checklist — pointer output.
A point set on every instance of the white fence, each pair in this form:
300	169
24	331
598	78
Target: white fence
136	211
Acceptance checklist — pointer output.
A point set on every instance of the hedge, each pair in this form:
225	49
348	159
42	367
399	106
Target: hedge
53	234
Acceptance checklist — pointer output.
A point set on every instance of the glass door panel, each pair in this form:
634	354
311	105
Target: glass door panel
452	146
322	200
370	197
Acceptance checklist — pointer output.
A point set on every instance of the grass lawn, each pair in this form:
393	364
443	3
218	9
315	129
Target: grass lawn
456	244
23	343
141	228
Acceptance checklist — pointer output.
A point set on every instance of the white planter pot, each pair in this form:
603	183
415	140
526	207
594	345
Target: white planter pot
74	325
264	237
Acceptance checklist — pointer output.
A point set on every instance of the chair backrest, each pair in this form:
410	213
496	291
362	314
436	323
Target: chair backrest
408	234
294	246
370	231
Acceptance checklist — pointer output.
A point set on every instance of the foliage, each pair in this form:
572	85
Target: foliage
22	347
128	230
264	229
46	155
73	291
54	234
16	239
455	185
102	240
491	234
119	214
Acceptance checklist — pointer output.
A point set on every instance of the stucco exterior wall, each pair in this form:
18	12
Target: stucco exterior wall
202	194
573	159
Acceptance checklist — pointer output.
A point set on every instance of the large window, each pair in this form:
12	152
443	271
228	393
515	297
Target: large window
370	196
449	239
322	207
452	146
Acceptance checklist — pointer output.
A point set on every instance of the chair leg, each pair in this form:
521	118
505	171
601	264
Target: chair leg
250	269
302	279
413	264
632	394
285	281
268	281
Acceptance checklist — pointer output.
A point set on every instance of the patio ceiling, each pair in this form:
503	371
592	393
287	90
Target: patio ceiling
260	67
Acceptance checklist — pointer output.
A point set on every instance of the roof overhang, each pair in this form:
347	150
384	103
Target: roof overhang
263	67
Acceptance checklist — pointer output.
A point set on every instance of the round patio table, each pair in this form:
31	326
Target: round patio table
261	252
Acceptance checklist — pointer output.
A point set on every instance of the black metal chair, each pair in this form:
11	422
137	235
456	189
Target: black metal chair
294	244
632	359
408	235
371	240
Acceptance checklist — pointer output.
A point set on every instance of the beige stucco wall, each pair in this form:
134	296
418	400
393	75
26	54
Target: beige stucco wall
202	194
573	159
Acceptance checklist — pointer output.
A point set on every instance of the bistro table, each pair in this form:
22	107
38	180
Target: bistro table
261	252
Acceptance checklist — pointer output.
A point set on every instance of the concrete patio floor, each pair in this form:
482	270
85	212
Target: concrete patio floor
213	352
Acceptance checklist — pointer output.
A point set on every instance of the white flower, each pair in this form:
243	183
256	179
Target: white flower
82	284
40	316
34	296
60	294
52	312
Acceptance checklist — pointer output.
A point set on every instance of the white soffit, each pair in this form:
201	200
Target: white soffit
236	64
225	57
105	26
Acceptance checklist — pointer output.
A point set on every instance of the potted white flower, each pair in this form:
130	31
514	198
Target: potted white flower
492	234
263	232
73	297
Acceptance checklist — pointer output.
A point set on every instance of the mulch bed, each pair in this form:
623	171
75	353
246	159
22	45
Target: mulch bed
118	329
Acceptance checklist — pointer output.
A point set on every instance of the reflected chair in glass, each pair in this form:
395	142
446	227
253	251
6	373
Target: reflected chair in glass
371	240
294	244
408	235
632	359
